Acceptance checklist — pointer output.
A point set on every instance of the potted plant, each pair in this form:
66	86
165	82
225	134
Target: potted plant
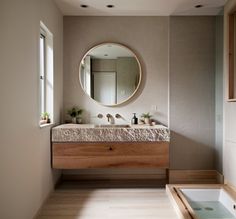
146	117
45	118
75	113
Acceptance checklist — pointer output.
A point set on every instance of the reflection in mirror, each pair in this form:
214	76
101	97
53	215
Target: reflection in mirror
110	73
232	57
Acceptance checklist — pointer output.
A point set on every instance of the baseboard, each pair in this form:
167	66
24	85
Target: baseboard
230	184
195	177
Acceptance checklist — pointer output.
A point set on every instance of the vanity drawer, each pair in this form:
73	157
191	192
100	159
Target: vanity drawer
114	154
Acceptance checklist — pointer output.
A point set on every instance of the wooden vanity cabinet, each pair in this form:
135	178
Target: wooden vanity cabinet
110	155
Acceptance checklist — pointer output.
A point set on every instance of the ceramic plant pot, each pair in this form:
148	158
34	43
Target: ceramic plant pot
147	120
79	120
73	120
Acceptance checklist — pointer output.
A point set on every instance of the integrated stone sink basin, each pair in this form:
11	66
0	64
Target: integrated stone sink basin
109	133
113	126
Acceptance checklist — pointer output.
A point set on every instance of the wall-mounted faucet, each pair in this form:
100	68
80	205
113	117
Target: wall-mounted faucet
118	116
100	116
109	118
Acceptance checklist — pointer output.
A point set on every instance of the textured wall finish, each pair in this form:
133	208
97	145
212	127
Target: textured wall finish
147	36
192	84
219	93
192	76
26	175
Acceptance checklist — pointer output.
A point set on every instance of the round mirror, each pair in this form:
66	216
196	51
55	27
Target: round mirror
110	73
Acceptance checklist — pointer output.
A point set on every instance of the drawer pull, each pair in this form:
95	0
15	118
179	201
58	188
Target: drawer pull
110	148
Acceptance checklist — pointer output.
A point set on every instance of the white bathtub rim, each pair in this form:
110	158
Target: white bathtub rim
213	194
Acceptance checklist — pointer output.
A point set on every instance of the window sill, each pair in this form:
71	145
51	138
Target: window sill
231	100
46	125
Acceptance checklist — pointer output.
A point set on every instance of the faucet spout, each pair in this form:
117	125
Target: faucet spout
109	118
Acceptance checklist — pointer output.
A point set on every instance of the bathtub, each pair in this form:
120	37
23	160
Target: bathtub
197	202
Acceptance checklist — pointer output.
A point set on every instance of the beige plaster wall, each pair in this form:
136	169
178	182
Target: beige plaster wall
146	36
219	44
187	46
192	84
26	175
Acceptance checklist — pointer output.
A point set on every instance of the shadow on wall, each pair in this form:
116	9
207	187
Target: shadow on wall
67	196
188	154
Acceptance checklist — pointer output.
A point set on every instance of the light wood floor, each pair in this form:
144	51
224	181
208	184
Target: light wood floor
73	202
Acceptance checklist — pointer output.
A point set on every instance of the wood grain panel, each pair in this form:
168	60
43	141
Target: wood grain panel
105	155
74	202
179	206
195	177
111	149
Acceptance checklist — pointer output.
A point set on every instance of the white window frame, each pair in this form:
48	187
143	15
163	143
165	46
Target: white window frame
42	75
46	73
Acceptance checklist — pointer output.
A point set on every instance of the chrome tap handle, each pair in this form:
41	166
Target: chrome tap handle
100	116
118	116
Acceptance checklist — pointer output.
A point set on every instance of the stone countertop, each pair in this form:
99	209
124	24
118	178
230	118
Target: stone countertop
91	133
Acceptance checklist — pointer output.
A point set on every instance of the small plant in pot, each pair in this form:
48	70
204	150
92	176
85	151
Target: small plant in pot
75	114
45	118
146	117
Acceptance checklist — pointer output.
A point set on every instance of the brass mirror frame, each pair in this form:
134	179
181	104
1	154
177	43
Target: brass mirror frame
140	72
232	43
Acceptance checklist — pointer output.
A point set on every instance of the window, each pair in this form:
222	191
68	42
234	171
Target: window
42	73
46	75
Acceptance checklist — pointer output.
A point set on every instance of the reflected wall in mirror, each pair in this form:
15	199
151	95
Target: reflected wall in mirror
232	58
110	73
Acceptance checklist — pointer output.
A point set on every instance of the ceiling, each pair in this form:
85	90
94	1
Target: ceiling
140	7
110	51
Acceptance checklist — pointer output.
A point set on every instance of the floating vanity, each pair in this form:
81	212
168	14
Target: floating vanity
77	146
